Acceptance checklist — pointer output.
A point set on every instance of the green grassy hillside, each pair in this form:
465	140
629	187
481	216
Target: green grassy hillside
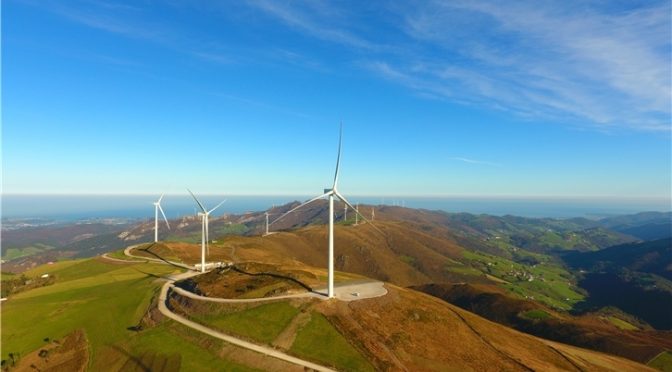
104	299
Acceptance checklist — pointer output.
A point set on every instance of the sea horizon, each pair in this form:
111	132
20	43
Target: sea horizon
139	206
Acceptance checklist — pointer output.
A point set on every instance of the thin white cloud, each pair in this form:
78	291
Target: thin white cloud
473	161
546	60
314	17
608	68
107	17
587	65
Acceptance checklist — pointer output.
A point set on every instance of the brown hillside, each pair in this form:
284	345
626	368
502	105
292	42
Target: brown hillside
590	331
407	330
403	255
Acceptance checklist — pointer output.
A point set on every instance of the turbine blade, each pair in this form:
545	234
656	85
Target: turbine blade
344	200
160	198
338	159
164	216
197	202
223	201
295	208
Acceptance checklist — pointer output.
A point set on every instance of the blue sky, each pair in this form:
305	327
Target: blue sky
531	98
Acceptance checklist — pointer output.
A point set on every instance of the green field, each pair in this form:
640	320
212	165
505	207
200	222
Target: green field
261	323
622	324
6	276
119	255
14	253
172	338
104	300
662	361
264	323
546	282
331	349
536	314
108	300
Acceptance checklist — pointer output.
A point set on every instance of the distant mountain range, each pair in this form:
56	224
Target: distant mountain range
645	226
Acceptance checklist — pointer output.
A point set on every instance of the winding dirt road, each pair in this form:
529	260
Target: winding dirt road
163	297
269	351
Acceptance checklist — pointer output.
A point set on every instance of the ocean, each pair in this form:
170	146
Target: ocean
72	207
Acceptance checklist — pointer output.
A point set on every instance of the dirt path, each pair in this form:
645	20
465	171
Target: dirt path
194	296
286	338
128	250
105	256
344	292
265	350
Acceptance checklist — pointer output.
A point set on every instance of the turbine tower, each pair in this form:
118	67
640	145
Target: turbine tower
345	213
331	193
204	229
266	214
357	214
157	208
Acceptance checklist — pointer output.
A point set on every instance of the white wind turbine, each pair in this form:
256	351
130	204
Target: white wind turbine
331	193
266	214
345	212
204	230
157	208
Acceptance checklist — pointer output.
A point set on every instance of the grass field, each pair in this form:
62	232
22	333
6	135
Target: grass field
262	323
172	338
536	314
5	276
119	255
103	299
546	282
13	253
662	361
622	324
332	349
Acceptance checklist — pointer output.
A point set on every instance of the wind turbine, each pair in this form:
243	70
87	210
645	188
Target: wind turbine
266	214
331	193
345	213
357	214
204	230
157	208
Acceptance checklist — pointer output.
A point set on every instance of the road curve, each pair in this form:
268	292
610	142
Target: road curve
192	295
343	291
163	297
105	256
371	289
128	249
